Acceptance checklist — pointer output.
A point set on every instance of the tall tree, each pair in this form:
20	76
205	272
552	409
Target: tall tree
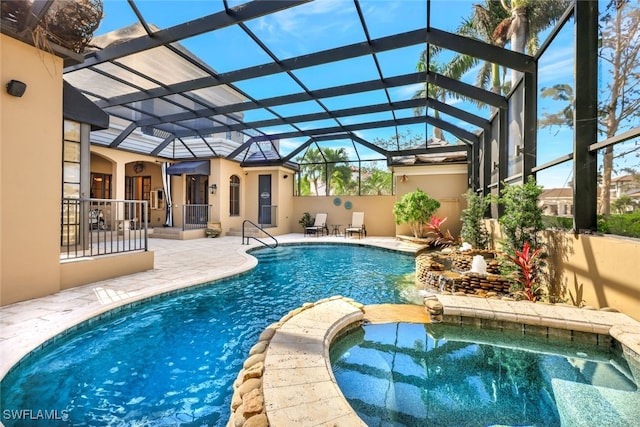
338	170
619	100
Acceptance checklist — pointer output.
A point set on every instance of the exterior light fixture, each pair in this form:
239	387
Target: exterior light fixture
16	88
213	188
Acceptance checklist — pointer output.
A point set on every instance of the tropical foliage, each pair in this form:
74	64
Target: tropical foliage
328	171
473	230
521	221
415	209
527	262
439	238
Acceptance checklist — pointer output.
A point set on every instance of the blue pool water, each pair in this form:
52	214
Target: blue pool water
444	375
172	361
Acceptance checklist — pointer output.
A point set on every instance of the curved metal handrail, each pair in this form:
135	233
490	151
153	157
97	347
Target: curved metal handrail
257	239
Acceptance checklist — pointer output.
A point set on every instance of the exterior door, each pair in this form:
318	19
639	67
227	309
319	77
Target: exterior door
137	188
264	200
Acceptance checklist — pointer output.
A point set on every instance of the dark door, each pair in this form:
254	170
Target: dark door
264	199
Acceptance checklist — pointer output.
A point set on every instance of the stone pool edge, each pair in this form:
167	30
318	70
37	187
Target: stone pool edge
288	379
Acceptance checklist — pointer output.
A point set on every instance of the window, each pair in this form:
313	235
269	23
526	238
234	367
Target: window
234	196
71	160
100	186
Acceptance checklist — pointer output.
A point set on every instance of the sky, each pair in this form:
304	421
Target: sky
324	24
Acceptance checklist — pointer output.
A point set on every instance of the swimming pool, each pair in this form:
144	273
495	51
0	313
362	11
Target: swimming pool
400	374
109	374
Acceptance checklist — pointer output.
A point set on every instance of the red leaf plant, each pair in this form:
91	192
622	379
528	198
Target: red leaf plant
526	260
441	239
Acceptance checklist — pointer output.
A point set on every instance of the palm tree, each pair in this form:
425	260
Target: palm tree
313	166
485	24
338	171
429	90
527	19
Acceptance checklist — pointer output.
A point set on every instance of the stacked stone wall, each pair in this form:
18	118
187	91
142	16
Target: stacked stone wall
450	272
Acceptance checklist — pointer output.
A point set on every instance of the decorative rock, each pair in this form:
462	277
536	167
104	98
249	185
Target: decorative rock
434	306
238	418
254	371
260	347
259	420
252	360
253	403
236	400
267	334
247	386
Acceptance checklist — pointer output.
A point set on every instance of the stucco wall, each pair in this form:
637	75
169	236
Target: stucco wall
378	212
445	183
597	271
30	172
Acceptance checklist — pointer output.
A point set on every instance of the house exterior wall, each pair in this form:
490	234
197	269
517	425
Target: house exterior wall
30	173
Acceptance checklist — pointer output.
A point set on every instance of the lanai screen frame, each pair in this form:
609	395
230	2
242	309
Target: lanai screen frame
481	160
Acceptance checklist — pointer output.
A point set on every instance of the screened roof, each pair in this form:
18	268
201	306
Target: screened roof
169	93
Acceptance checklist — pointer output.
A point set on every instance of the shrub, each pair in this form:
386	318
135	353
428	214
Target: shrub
415	209
473	230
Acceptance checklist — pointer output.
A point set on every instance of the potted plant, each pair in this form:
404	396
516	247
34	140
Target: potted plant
415	209
306	220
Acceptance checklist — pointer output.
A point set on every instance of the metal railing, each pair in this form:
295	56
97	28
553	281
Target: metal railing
244	236
93	227
195	216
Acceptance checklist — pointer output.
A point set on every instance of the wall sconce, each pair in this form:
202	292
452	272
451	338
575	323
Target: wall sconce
404	178
495	165
519	150
16	88
213	188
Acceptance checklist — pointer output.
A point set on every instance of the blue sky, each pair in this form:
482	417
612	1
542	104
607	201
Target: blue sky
325	24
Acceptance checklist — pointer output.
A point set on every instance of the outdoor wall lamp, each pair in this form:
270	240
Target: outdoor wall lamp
213	188
16	88
519	150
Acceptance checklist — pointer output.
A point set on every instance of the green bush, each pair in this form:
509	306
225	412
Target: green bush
621	225
473	230
415	209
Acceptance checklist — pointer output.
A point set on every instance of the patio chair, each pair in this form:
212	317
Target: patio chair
96	220
356	226
319	225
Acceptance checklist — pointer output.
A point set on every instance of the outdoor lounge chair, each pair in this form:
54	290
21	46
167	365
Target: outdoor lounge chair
319	225
356	226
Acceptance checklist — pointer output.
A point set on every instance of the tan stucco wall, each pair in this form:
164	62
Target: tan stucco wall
378	212
88	270
598	271
30	172
281	193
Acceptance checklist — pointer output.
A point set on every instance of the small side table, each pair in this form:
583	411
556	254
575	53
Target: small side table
336	230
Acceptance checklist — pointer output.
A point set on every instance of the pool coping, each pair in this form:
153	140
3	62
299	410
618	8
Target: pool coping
288	379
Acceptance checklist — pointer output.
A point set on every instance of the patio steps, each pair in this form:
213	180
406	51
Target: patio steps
176	233
249	231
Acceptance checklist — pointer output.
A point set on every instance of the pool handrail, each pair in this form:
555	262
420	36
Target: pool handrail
256	238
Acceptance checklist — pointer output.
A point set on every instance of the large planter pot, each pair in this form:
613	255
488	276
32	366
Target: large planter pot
214	229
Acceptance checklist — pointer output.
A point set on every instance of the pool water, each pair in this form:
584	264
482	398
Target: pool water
172	361
413	375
